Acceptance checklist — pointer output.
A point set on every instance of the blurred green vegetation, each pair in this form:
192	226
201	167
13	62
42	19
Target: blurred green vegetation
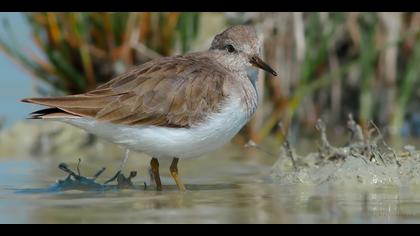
330	64
334	64
86	49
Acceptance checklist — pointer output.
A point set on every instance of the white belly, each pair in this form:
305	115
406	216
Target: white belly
162	142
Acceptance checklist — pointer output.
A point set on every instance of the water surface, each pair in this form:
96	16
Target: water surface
236	193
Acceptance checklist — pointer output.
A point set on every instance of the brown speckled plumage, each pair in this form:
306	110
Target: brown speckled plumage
172	91
178	91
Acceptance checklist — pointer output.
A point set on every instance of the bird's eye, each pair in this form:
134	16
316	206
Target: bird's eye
230	48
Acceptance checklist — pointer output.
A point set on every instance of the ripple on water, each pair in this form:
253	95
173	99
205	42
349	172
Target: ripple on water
243	198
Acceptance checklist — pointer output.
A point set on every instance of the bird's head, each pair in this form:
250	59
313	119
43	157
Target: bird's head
240	48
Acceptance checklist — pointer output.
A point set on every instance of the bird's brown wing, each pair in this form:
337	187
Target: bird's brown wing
171	92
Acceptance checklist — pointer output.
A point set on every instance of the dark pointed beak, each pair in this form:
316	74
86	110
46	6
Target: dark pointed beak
257	62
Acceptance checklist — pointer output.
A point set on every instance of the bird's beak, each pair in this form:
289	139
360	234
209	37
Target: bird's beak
257	62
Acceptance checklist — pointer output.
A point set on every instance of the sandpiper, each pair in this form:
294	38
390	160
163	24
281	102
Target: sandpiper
171	107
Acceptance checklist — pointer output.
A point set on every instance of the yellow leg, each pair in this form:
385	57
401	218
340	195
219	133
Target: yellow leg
174	172
154	164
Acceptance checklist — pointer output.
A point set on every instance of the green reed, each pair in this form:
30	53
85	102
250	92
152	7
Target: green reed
83	50
345	67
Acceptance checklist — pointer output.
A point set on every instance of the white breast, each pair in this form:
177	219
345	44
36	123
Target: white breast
162	142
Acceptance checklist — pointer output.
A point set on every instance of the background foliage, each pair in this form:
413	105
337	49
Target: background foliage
330	64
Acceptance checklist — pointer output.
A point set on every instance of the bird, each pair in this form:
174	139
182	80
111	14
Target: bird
171	108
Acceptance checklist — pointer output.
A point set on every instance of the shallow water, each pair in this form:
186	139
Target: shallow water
237	192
